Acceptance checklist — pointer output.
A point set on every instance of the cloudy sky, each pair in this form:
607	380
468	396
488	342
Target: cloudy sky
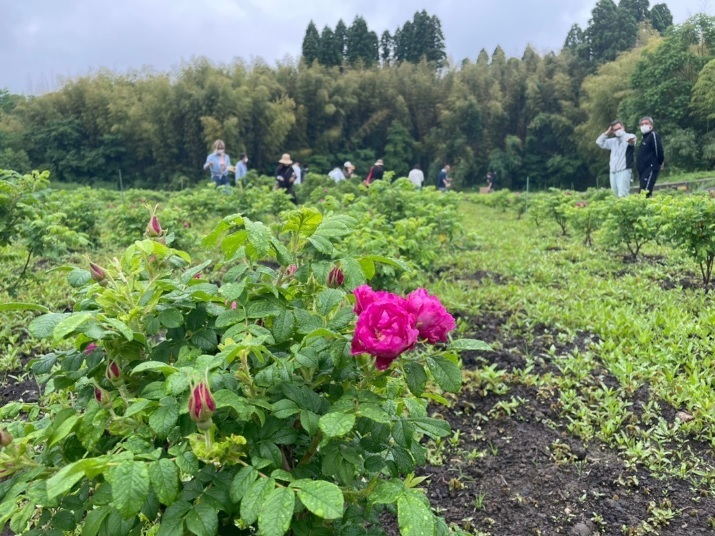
42	41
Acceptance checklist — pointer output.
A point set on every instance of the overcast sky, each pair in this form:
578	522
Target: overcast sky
42	41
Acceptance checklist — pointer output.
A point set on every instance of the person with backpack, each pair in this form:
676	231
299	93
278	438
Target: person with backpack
618	141
377	171
651	157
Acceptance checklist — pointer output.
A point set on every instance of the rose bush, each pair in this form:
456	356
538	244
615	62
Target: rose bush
245	398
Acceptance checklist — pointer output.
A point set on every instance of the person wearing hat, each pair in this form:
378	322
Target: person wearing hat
376	172
285	176
338	174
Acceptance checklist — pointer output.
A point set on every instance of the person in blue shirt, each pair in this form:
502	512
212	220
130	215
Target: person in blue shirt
241	167
219	163
444	181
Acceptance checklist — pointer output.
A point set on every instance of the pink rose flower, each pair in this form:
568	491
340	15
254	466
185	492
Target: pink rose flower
432	319
91	347
384	330
364	296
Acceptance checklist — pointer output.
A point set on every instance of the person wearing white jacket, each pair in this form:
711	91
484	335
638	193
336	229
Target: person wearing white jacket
620	143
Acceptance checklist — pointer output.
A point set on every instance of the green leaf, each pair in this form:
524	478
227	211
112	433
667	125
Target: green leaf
130	487
276	512
282	328
187	462
43	326
322	244
78	278
164	477
327	300
172	521
226	398
163	420
158	366
413	515
336	424
387	492
241	482
63	481
284	408
171	318
368	267
309	421
387	260
434	428
65	428
70	324
254	498
94	519
259	236
202	520
416	377
469	344
324	499
374	413
17	306
446	374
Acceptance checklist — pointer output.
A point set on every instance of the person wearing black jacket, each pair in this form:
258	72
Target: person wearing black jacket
377	171
650	156
285	176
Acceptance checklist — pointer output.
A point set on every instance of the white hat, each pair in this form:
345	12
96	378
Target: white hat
348	165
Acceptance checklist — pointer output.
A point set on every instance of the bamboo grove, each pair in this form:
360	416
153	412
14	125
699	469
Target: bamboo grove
536	116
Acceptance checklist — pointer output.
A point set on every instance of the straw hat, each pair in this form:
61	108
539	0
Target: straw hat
379	163
348	165
285	159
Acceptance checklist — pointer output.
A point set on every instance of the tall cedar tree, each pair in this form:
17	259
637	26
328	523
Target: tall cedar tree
311	44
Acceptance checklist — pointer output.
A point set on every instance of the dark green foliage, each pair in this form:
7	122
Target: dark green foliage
311	44
611	30
661	18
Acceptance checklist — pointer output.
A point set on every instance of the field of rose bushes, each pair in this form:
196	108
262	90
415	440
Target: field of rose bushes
371	361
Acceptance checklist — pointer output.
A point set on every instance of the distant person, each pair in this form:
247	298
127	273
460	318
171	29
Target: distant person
219	163
416	177
619	142
285	176
491	178
651	157
339	174
377	171
298	172
241	167
444	181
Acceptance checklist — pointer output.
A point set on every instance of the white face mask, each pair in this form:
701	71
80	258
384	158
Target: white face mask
620	133
645	129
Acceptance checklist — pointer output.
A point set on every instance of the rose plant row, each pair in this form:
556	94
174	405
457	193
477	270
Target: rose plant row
279	393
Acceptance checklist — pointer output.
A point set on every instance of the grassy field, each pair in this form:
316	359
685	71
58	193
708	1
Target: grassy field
594	412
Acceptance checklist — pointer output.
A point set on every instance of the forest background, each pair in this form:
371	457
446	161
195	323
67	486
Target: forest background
354	95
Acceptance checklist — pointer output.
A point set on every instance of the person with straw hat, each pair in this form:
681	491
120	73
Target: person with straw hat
376	172
285	176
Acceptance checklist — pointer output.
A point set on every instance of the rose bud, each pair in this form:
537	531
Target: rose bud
114	373
153	228
97	273
201	406
291	270
336	277
91	347
5	438
103	397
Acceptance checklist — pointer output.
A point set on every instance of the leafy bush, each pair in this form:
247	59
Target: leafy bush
185	406
631	222
689	224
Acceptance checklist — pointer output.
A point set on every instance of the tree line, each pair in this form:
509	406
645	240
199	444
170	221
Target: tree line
536	116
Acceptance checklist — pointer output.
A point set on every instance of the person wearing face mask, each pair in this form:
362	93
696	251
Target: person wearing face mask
241	167
620	143
651	158
219	162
